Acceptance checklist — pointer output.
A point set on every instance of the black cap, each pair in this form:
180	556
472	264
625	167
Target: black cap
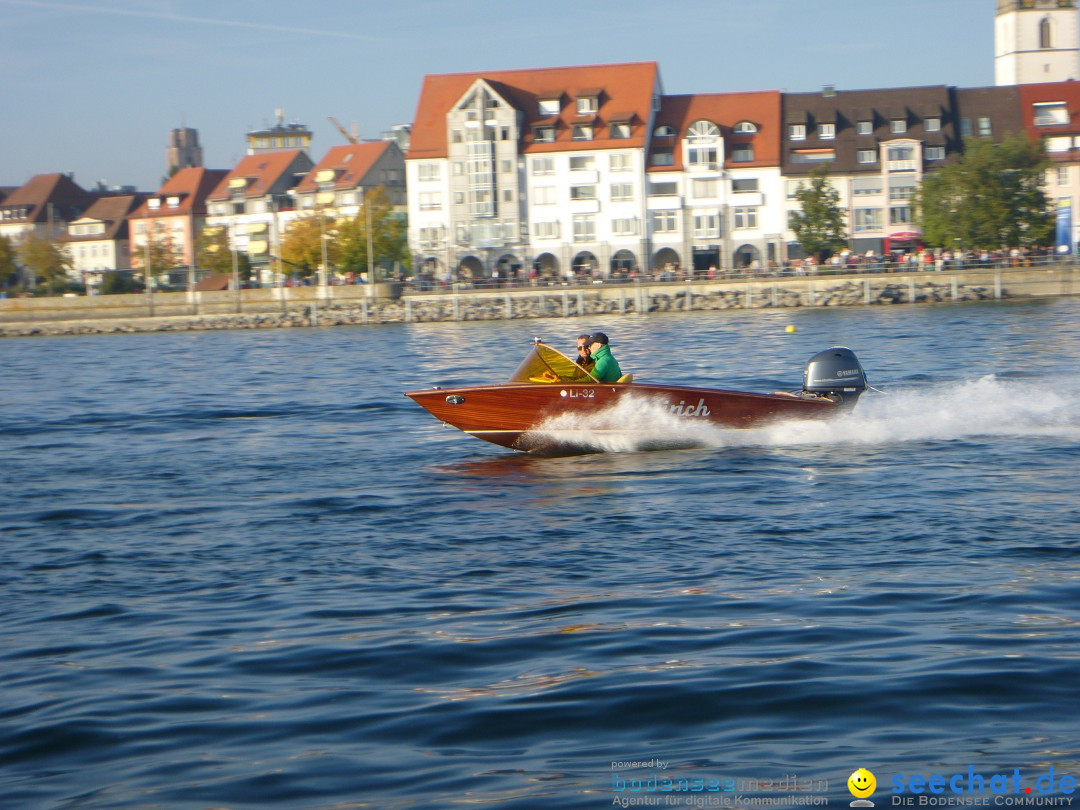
598	337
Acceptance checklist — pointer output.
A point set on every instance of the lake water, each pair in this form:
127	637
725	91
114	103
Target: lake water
239	569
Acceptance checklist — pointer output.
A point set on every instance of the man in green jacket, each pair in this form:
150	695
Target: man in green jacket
606	368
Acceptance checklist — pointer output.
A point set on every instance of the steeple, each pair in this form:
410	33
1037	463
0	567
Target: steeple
1036	41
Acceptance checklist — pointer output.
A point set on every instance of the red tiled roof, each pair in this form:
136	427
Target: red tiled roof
262	171
191	185
350	162
67	198
623	87
725	110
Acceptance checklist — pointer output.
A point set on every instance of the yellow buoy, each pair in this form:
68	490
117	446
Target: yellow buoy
789	328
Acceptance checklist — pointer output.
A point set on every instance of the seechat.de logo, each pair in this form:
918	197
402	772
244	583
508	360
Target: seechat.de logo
862	785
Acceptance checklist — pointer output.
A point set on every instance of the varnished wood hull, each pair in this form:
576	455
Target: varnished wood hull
508	414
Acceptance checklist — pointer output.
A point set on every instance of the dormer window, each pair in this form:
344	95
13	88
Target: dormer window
587	105
664	131
154	203
544	134
549	106
797	132
826	131
745	128
582	132
173	202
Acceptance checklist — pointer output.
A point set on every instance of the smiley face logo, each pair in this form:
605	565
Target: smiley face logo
861	783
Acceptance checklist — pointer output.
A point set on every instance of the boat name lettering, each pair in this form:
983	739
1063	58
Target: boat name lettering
584	393
682	409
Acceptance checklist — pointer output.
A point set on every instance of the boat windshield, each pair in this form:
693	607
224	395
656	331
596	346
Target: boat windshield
544	364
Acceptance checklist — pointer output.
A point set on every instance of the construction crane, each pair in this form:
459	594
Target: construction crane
350	137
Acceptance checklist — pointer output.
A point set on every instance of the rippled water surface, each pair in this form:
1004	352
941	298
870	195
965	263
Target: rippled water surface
239	569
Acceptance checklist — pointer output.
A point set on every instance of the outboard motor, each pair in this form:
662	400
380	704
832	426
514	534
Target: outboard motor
835	374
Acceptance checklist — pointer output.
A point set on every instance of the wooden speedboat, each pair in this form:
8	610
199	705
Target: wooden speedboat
548	385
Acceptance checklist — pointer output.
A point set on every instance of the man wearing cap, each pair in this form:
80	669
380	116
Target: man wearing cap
606	367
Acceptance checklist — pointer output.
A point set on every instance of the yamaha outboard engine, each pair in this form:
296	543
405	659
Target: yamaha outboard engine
835	374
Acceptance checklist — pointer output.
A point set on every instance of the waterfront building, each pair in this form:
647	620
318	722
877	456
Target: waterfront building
42	206
175	213
1036	41
253	202
183	151
1051	112
279	136
98	241
512	172
336	185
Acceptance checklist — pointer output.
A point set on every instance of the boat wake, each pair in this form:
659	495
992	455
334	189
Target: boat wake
984	407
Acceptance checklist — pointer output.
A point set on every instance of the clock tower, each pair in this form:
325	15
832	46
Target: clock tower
1036	41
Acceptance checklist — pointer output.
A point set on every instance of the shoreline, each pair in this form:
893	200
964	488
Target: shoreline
348	306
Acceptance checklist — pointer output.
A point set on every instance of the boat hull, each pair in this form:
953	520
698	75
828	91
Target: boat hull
510	413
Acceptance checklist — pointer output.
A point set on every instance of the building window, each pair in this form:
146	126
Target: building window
827	131
545	134
665	222
508	195
1063	175
546	230
1045	34
901	153
620	162
935	153
619	130
663	157
549	106
543	165
742	153
1051	114
584	229
797	132
664	131
581	163
506	166
582	192
544	195
706	226
582	132
898	126
586	105
864	128
868	219
901	188
745	217
965	127
867	156
705	189
863	186
668	188
932	125
459	198
745	128
984	128
744	184
429	171
813	155
703	157
622	191
430	201
624	227
900	215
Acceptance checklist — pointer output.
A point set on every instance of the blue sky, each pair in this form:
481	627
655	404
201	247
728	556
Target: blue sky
95	86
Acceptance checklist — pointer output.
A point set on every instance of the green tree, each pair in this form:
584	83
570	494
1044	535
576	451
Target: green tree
989	199
9	266
302	247
213	254
160	250
389	240
48	261
819	226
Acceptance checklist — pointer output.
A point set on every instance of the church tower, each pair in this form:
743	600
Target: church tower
1036	41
